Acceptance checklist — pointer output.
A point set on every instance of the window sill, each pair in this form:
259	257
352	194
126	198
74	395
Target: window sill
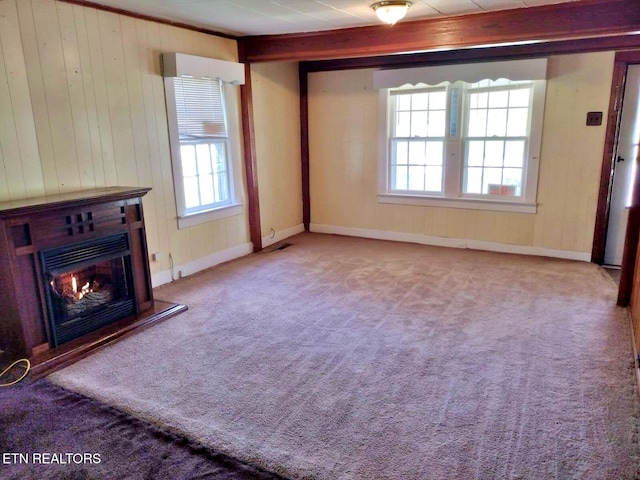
466	203
194	219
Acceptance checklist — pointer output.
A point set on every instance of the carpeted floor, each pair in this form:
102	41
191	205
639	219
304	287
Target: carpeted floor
42	418
346	358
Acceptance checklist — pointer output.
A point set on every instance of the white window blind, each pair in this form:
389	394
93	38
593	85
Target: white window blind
200	108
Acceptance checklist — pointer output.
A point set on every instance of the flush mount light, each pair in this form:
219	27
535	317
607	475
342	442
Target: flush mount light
391	11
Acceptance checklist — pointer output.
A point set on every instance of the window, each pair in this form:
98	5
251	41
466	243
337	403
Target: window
496	137
417	140
202	131
201	144
462	144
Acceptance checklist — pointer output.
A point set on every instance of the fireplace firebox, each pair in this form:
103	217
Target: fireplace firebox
87	286
74	275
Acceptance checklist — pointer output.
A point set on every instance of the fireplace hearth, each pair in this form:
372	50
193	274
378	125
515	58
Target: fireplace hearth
74	275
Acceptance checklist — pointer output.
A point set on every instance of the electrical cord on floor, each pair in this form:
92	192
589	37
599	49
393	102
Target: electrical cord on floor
171	267
24	374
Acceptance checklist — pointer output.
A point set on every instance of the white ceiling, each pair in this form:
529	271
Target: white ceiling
266	17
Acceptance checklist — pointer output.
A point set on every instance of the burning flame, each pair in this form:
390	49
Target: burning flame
86	288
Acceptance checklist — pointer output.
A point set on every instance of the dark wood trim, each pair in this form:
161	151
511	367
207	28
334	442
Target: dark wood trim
128	13
606	172
45	363
304	144
632	235
630	252
569	20
27	206
482	54
250	165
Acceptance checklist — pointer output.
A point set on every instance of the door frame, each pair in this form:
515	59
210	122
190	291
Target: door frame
622	61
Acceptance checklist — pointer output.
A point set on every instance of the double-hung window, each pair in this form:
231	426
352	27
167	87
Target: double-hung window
201	137
417	140
204	143
465	143
496	137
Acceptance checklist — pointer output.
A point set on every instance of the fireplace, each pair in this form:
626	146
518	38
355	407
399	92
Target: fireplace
74	275
87	285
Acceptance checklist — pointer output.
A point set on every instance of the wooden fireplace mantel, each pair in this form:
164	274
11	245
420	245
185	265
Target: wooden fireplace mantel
30	226
67	200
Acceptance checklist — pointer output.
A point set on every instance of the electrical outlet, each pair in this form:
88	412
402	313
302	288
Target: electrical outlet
156	257
594	118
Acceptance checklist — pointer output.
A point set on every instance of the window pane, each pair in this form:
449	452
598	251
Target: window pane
420	101
206	189
514	153
475	155
493	153
482	100
402	152
498	99
191	196
403	102
220	160
492	179
437	123
403	124
434	179
473	180
204	158
477	123
417	153
497	123
188	157
519	98
416	178
435	152
517	126
512	177
222	187
419	124
438	101
399	180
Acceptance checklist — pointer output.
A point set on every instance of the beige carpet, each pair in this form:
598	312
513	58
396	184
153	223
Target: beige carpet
345	358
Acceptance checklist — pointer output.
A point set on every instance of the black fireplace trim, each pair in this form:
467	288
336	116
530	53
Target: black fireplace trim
57	260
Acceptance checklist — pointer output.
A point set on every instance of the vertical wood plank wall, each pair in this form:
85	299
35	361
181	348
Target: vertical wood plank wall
276	102
343	130
82	106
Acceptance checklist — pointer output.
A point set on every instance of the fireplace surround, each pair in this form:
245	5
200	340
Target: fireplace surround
74	275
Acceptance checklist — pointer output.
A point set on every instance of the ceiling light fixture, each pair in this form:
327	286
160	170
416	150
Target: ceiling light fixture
391	11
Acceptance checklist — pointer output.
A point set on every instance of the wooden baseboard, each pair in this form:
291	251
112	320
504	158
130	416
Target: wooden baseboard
45	363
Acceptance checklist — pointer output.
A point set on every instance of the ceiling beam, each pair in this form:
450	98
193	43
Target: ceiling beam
562	21
480	54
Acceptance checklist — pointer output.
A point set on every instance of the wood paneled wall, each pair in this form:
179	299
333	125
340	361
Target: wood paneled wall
343	118
82	106
276	101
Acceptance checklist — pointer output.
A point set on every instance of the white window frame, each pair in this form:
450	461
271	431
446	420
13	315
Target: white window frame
217	69
452	195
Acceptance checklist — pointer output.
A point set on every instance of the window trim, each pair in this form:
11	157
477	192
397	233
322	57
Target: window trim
452	195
